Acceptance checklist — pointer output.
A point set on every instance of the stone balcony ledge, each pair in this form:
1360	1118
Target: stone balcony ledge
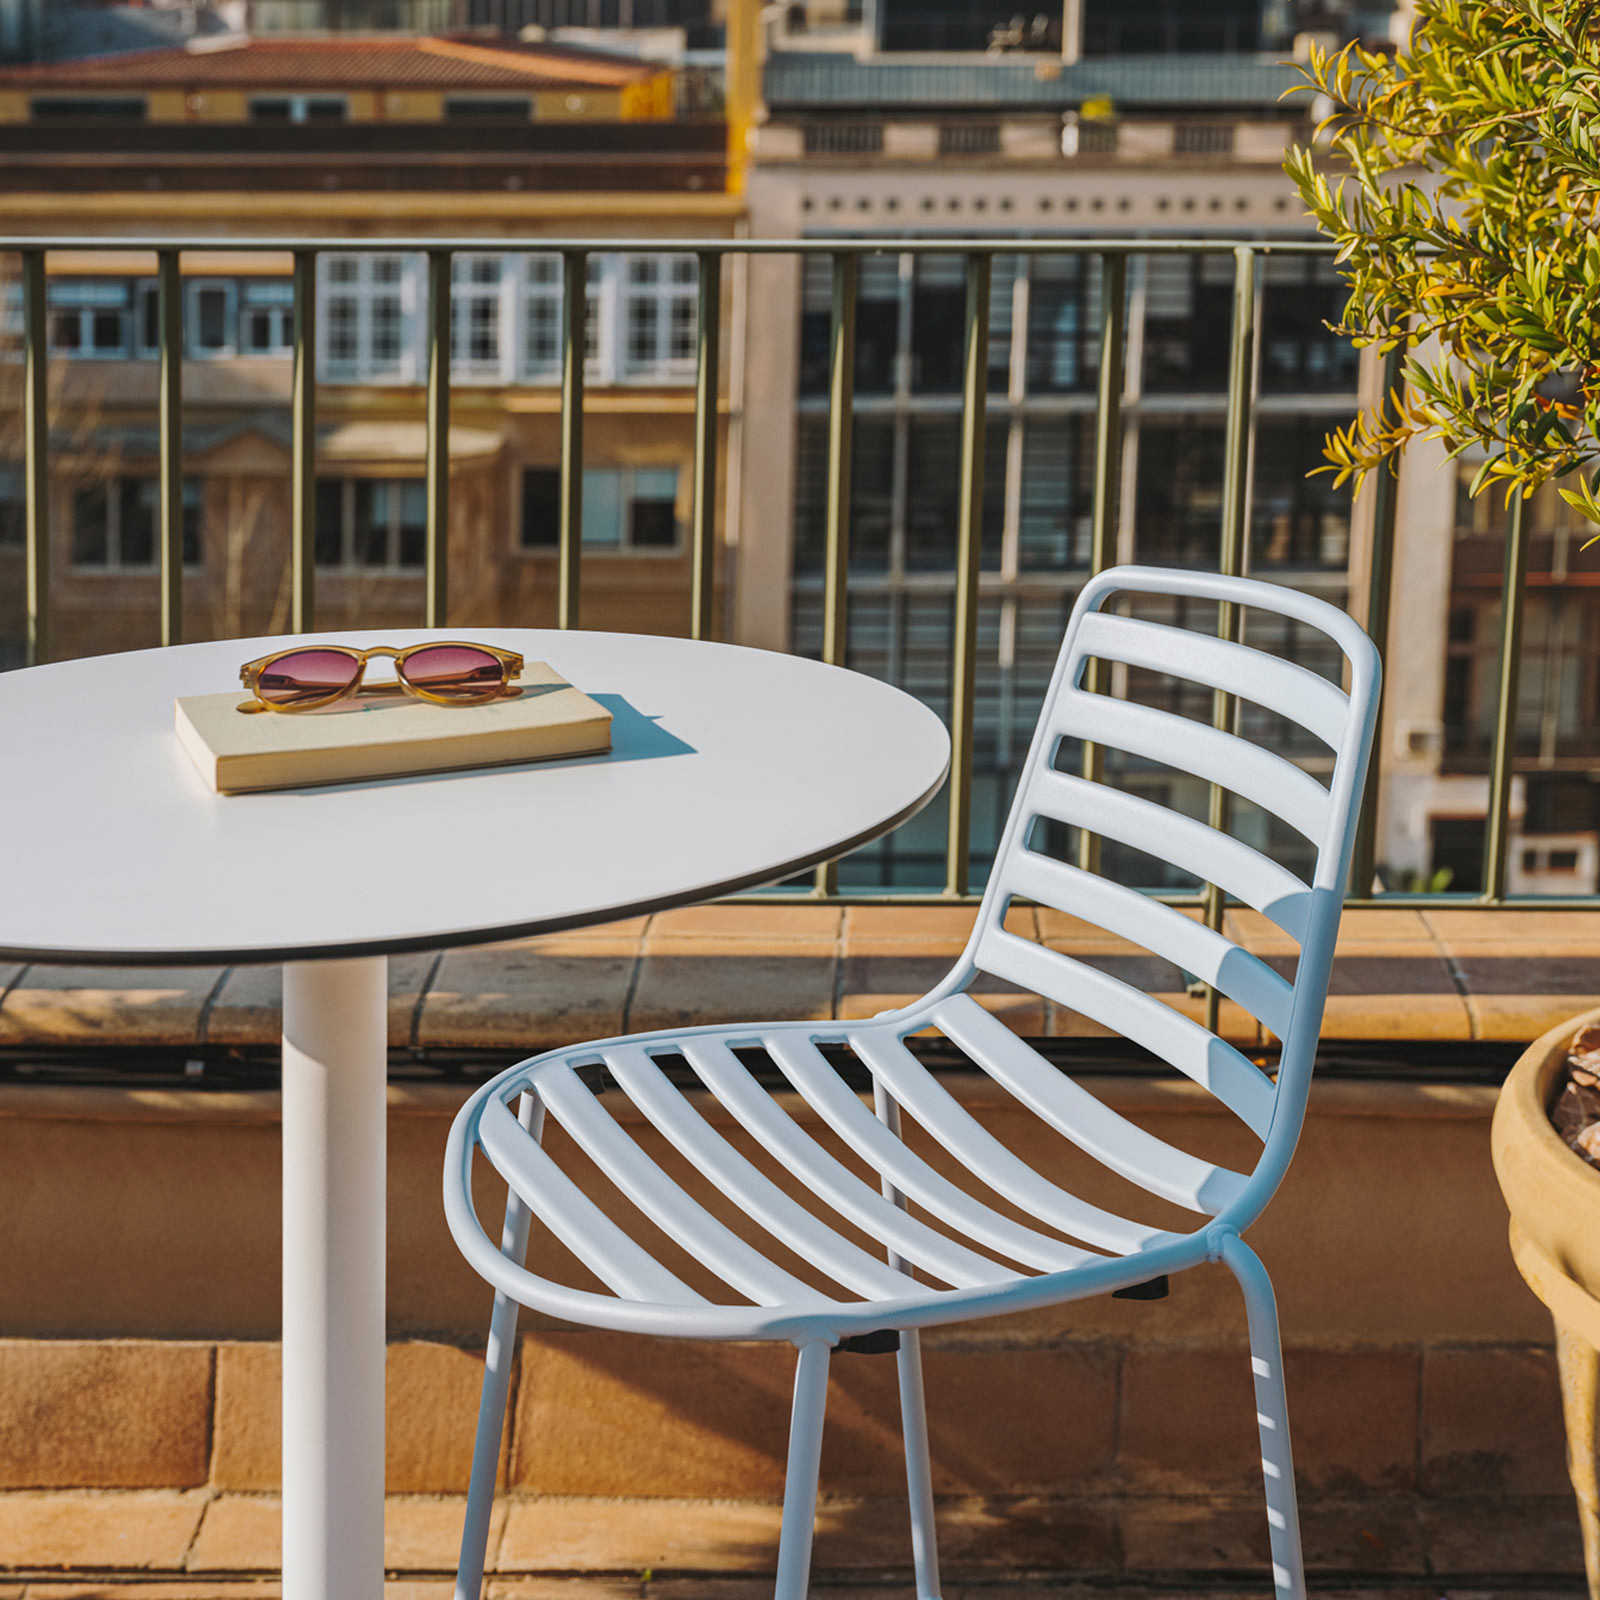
1401	974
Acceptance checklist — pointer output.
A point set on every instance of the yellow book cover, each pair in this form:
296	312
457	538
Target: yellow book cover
387	735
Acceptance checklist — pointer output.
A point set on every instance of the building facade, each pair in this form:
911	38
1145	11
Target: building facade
345	136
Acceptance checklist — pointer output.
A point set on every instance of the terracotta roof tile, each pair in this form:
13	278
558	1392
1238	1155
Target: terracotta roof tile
340	63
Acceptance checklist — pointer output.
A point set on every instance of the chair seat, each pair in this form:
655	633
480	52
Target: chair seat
818	1238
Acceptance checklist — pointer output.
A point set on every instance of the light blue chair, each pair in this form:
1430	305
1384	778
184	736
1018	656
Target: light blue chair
958	1258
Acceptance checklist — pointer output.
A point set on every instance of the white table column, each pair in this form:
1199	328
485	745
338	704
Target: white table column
334	1160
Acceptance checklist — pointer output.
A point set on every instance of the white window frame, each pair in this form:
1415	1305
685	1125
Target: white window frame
280	312
505	295
365	289
392	566
193	288
86	312
666	293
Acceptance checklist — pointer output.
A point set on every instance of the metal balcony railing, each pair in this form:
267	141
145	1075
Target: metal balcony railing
1113	255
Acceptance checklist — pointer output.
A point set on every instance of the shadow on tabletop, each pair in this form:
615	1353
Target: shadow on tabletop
634	737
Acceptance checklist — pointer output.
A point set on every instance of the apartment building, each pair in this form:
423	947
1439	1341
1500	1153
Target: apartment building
478	140
1054	133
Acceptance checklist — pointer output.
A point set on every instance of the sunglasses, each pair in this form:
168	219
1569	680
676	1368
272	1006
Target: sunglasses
309	676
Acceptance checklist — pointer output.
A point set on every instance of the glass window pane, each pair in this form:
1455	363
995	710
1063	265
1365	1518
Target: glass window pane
413	523
871	492
211	318
541	506
1063	324
107	330
1188	320
1057	493
136	507
91	529
330	522
370	523
938	316
877	324
1179	521
1296	520
602	507
933	493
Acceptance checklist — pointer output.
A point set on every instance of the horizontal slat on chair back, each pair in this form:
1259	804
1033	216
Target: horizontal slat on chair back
1143	920
1257	775
1193	1049
1170	836
1269	681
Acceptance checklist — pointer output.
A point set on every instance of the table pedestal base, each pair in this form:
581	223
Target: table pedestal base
335	1030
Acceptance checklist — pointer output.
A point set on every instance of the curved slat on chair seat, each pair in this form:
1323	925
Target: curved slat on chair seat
924	1098
806	1068
745	1185
1072	1111
1144	920
829	1179
1182	1043
624	1267
1258	775
1283	686
677	1214
1182	841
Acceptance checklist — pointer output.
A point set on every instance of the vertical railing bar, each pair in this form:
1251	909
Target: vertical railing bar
1497	837
436	558
1107	484
303	465
1235	506
36	453
841	416
574	350
169	335
703	531
1380	578
969	566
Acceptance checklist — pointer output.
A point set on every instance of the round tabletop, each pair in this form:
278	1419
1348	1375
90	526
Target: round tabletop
729	768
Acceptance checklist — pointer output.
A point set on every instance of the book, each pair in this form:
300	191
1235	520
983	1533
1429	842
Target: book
386	735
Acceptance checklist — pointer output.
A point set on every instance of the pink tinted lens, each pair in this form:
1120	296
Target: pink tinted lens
306	676
458	672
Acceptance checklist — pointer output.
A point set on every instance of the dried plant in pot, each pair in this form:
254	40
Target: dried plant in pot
1553	1191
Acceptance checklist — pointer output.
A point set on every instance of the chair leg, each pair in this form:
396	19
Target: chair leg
919	1468
913	1411
498	1360
800	1482
1272	1417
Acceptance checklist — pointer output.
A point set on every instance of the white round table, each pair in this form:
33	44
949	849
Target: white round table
730	768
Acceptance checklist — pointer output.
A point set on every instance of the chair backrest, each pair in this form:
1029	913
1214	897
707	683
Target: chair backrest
1307	911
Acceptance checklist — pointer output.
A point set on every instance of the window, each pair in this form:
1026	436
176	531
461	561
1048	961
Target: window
12	507
475	292
115	525
266	317
86	108
624	508
209	305
1188	315
367	304
372	524
541	326
658	308
1300	354
1296	520
299	108
502	108
147	317
89	317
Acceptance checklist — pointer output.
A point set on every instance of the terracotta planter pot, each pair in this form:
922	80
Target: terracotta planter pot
1554	1197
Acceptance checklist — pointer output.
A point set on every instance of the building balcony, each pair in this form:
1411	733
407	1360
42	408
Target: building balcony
139	1116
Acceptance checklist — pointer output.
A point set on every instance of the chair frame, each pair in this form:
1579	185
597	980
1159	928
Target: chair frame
647	1299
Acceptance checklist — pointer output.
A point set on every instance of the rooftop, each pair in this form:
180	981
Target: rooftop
341	61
